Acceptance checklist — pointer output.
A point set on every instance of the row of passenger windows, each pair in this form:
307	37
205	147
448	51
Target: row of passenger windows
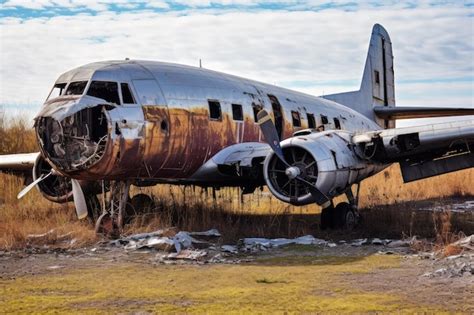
215	113
106	90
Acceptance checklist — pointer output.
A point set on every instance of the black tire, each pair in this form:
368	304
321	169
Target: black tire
142	204
326	218
344	216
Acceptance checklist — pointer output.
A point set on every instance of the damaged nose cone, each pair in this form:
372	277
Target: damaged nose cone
75	142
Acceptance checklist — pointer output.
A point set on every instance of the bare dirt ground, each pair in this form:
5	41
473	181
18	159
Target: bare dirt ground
296	278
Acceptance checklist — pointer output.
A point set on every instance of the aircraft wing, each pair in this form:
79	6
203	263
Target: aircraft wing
408	112
422	151
21	163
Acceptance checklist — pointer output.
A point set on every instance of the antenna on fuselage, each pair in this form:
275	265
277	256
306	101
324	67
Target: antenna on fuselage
200	63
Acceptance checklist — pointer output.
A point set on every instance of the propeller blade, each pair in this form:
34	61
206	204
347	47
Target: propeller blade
25	190
318	196
270	134
271	137
79	199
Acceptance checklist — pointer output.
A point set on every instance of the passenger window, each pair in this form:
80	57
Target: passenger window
256	108
337	124
105	90
127	95
237	113
296	119
311	121
57	90
76	88
324	120
215	110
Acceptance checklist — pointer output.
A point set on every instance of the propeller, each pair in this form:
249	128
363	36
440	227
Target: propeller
25	190
293	172
79	198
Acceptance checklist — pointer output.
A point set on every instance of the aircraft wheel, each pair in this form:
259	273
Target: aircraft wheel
142	203
327	221
345	217
107	226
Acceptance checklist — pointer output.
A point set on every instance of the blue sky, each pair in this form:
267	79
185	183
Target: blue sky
318	47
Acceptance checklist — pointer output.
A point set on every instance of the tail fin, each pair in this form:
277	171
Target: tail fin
378	84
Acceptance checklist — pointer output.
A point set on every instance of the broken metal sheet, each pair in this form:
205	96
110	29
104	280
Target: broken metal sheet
137	237
466	243
211	232
157	240
187	254
359	242
265	243
64	106
229	249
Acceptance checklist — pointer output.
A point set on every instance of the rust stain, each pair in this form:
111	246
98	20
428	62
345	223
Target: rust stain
176	143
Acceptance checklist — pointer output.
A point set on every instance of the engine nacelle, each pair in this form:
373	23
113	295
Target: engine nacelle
55	188
326	159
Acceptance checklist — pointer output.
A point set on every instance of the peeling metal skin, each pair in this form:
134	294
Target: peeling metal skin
168	134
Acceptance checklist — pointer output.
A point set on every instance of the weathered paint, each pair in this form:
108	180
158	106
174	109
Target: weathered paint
174	138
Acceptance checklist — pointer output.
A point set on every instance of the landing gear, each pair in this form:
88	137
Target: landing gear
344	215
327	221
142	203
113	214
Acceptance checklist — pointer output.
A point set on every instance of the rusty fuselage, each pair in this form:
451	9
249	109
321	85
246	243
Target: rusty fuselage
179	118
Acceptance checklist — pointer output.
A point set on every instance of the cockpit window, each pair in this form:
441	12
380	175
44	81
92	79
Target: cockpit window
76	88
127	95
105	90
57	90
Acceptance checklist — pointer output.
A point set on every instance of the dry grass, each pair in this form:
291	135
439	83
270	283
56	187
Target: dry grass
190	208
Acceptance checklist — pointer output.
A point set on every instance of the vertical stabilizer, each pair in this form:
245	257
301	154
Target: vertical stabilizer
378	85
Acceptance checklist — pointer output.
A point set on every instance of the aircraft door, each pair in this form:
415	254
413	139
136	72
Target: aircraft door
157	125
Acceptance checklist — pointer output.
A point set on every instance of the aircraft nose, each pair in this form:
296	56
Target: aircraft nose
75	142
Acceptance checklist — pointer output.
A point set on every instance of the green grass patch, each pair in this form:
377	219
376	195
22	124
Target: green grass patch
263	288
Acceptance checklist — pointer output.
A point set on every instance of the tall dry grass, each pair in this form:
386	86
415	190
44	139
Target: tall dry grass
192	208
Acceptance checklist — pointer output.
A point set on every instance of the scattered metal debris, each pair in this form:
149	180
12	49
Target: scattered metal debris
467	206
460	265
163	240
257	244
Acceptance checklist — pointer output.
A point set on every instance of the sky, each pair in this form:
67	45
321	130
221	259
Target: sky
317	47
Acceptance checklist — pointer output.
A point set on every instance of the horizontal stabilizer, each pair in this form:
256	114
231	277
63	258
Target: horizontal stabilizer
416	171
389	112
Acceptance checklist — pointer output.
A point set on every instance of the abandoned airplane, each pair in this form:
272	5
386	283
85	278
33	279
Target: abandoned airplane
112	124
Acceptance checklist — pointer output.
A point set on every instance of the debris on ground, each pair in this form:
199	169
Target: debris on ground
373	241
262	244
204	246
466	206
466	243
165	240
457	265
176	247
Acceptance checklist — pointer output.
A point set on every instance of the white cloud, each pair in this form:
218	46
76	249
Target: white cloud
269	46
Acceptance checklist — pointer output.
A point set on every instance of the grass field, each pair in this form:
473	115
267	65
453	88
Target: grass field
292	280
194	208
